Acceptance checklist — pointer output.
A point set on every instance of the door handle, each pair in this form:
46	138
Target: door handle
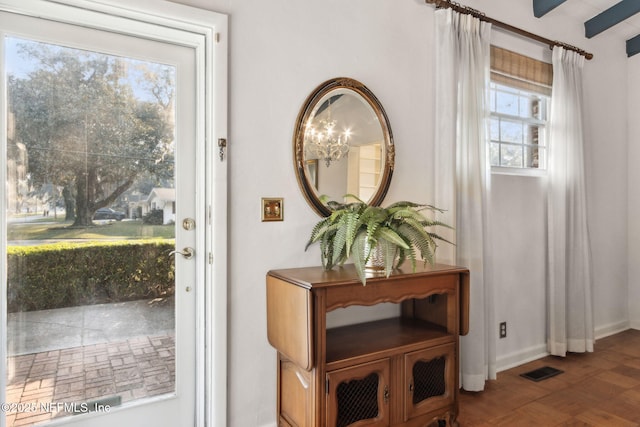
187	252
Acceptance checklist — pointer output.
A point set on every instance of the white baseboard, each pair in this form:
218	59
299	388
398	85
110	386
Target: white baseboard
521	357
530	354
273	424
613	328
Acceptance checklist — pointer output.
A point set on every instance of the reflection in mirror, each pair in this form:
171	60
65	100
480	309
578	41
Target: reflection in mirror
343	145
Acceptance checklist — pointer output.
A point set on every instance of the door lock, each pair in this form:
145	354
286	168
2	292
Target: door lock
187	252
188	224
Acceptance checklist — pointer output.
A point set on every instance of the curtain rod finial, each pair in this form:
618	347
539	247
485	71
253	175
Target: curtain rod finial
567	46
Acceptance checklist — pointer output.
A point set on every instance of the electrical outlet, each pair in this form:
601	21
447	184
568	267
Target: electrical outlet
503	329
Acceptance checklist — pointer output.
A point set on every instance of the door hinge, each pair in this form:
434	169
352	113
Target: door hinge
217	37
326	385
222	144
210	258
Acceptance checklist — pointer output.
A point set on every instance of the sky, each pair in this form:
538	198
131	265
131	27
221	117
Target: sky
18	65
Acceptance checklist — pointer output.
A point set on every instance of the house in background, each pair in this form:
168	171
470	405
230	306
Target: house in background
136	205
163	199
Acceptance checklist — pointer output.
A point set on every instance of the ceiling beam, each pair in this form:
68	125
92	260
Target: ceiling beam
633	46
542	7
610	17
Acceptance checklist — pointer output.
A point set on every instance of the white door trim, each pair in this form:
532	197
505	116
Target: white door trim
211	358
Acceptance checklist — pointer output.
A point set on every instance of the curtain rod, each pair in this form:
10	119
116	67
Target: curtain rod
476	13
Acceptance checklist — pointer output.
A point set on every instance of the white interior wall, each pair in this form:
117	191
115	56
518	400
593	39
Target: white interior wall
281	50
607	173
519	238
634	192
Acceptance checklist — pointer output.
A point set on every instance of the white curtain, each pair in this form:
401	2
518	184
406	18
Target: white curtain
462	176
570	306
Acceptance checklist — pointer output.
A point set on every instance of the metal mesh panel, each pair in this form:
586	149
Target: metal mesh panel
428	379
357	400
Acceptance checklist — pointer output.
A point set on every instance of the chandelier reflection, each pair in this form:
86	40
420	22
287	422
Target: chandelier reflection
324	141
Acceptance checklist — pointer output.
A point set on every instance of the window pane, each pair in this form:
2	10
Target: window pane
525	107
507	103
495	129
511	132
495	154
511	156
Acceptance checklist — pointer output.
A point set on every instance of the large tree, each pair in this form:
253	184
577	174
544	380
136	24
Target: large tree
89	126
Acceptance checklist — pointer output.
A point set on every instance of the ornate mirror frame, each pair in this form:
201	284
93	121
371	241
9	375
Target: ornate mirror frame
306	182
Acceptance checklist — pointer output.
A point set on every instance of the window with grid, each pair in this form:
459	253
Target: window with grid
519	95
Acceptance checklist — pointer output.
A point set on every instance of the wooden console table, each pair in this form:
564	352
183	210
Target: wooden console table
393	372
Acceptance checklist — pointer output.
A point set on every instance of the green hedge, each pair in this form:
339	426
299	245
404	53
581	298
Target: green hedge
71	274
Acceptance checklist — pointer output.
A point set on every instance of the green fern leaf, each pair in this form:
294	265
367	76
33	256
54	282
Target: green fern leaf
435	236
419	239
389	251
339	244
393	237
317	232
404	204
359	257
351	225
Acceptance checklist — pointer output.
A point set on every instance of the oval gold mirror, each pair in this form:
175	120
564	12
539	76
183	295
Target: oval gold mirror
342	145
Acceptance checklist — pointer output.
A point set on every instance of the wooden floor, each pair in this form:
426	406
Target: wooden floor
598	389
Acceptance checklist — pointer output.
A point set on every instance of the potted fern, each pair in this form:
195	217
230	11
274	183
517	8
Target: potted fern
357	230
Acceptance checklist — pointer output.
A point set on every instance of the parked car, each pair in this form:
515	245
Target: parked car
108	213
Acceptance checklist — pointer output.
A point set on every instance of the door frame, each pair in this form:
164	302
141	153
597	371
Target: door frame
212	81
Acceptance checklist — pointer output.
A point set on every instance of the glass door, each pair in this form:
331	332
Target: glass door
102	172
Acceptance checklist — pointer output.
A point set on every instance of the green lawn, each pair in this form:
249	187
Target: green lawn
50	229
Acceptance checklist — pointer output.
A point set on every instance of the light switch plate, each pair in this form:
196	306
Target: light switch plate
272	209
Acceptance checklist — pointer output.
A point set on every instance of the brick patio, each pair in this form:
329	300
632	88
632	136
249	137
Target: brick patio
132	369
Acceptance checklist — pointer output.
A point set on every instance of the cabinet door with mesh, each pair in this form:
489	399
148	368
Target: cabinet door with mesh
429	380
359	395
